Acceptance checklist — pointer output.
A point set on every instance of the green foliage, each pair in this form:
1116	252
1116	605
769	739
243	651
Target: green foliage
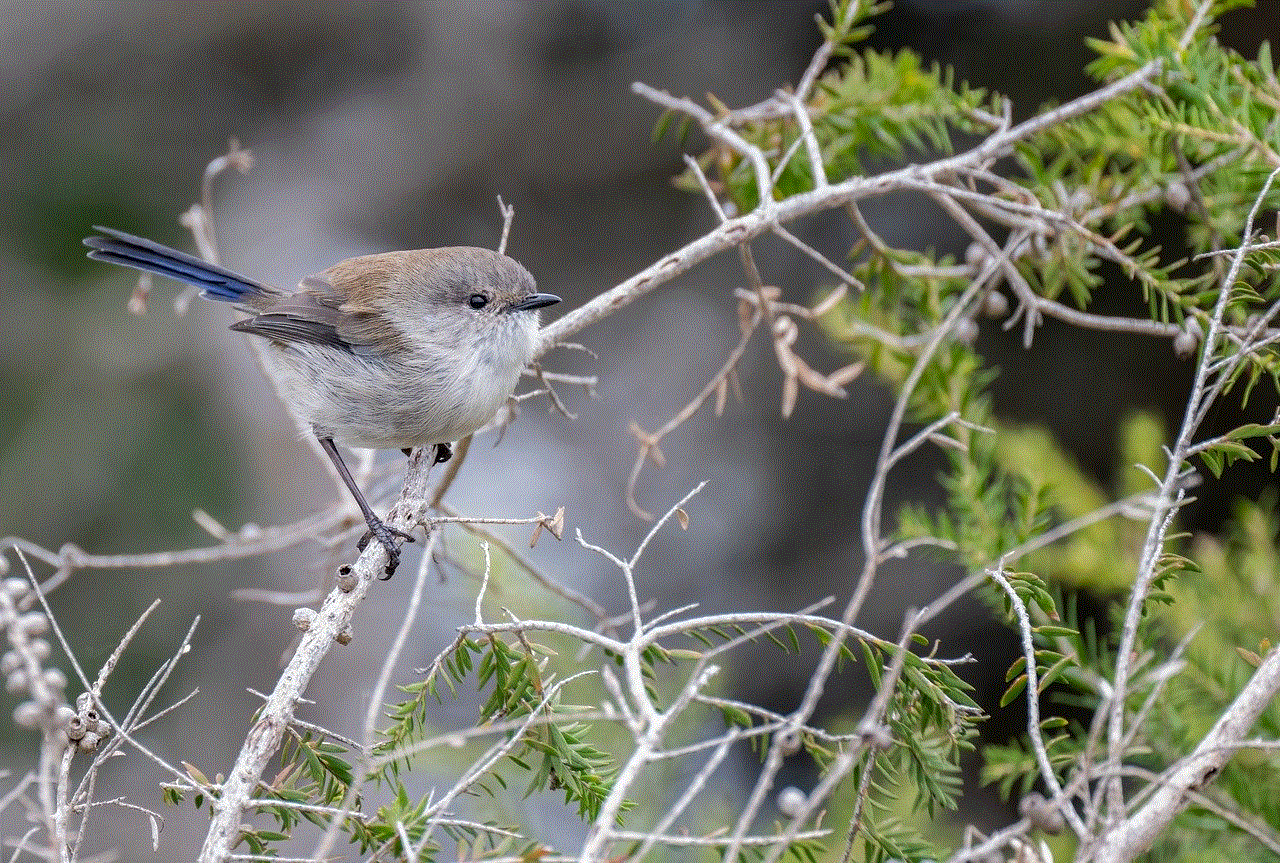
550	743
931	718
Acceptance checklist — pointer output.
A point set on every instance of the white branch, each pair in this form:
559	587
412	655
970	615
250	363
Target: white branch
1135	834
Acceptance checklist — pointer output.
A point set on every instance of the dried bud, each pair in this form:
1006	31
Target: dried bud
966	331
995	304
346	579
1041	812
34	623
1178	196
55	679
792	801
10	662
789	741
876	736
1187	342
28	714
785	330
303	618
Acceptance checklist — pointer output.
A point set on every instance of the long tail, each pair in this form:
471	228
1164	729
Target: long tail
215	282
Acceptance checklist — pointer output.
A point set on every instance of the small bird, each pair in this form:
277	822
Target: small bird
388	351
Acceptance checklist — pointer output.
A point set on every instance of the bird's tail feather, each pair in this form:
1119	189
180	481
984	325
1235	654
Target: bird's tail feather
215	282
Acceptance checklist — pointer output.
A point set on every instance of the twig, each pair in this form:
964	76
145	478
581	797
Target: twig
508	215
1032	689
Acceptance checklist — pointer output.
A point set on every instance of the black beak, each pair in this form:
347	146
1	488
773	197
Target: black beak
534	301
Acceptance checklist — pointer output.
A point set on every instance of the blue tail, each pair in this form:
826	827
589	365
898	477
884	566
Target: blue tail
215	282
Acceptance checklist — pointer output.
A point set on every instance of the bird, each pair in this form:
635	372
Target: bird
394	350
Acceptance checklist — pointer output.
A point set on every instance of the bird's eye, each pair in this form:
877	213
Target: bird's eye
477	301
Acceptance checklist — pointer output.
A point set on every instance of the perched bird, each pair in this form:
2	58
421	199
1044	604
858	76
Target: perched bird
388	351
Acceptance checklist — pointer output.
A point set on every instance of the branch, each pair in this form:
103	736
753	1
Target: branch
1167	502
333	618
1136	833
736	231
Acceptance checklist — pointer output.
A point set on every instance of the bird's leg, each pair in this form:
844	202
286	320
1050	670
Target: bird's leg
378	530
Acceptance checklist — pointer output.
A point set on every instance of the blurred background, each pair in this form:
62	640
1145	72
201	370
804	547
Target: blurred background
383	125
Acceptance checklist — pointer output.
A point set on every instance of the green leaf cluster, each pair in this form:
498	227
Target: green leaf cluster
552	744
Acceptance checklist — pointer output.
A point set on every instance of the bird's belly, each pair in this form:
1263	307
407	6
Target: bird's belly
367	402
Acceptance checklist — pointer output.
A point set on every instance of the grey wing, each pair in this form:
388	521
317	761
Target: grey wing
315	314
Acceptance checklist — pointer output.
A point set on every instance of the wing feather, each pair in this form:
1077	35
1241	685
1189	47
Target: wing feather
318	314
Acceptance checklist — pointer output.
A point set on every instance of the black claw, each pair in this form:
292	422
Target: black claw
389	538
443	453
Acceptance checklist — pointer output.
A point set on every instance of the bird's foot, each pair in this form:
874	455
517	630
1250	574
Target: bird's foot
389	538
